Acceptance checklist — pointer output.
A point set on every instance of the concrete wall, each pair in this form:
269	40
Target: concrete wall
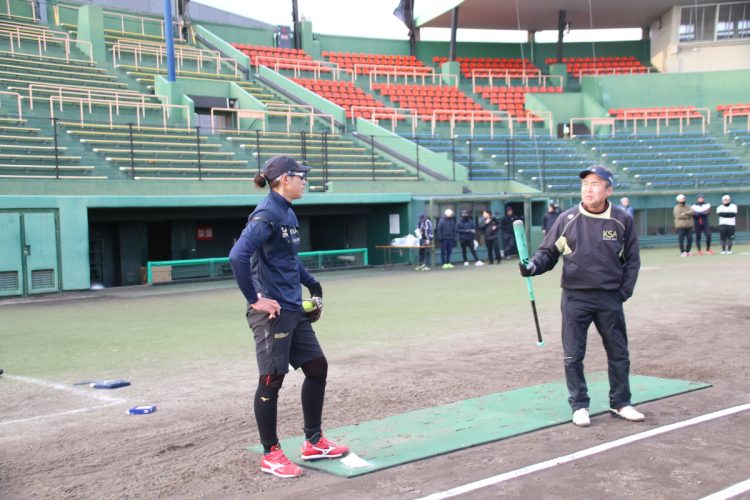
654	90
668	55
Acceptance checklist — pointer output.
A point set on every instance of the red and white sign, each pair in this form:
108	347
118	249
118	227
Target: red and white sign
204	233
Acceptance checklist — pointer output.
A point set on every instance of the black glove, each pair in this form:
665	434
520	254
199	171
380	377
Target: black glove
315	290
527	269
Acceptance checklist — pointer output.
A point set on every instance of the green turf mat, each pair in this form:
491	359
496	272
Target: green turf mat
434	431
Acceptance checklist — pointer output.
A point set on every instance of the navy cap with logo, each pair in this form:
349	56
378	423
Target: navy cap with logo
600	171
280	165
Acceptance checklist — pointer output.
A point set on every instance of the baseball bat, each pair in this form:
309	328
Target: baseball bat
523	254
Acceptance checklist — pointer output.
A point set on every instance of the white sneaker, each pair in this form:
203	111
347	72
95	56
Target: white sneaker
479	263
466	263
628	413
581	417
425	268
684	254
729	252
723	252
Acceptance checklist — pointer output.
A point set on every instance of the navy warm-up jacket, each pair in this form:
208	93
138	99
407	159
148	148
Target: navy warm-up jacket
264	259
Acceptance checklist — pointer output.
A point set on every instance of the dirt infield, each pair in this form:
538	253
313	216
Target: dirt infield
396	341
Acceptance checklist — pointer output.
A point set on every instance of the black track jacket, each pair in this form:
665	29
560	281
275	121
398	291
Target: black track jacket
599	251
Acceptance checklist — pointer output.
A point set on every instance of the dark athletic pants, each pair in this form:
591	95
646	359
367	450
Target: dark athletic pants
446	249
604	308
685	234
470	245
699	229
424	253
493	247
726	233
510	244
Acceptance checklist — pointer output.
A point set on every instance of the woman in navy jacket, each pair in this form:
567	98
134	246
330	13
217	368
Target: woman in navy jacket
265	265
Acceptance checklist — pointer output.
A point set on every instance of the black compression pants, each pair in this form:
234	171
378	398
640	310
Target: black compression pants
313	392
699	230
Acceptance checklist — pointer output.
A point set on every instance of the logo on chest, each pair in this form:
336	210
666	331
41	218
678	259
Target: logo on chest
290	234
609	235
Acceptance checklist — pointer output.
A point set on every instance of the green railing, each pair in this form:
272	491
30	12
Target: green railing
196	269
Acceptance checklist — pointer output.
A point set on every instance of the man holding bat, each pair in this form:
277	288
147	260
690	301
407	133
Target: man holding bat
599	248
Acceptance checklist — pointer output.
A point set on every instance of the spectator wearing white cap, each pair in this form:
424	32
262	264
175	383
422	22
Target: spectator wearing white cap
727	213
683	224
447	234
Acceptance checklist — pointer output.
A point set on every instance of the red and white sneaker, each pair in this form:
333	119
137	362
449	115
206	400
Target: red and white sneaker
277	464
322	449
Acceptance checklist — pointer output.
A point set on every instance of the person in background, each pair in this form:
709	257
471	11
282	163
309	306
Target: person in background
625	205
550	217
727	213
701	211
425	233
466	235
491	227
447	234
683	225
506	227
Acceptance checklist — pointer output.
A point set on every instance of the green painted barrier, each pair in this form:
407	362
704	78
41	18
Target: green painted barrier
193	269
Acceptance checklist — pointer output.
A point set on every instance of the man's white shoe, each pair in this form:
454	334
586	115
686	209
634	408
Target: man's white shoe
628	413
479	263
581	417
466	263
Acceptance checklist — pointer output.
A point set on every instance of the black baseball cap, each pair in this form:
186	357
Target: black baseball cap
279	165
601	171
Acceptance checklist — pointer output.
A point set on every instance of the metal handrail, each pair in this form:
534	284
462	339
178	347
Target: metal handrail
392	114
435	77
177	23
508	75
42	39
594	122
639	70
90	92
729	118
18	96
200	56
494	116
299	65
139	107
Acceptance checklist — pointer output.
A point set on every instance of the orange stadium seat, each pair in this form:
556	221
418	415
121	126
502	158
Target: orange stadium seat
581	66
343	93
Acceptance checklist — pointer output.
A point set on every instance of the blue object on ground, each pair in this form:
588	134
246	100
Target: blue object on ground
142	410
109	384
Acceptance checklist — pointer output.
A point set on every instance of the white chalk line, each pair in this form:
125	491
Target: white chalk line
107	400
730	492
483	483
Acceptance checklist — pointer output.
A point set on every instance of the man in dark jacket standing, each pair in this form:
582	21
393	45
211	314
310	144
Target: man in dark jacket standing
447	234
599	247
701	211
506	226
550	217
491	228
466	234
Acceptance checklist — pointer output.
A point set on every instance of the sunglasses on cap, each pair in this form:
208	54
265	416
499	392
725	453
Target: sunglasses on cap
301	175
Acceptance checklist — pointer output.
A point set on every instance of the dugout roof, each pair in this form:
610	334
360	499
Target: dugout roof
538	15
